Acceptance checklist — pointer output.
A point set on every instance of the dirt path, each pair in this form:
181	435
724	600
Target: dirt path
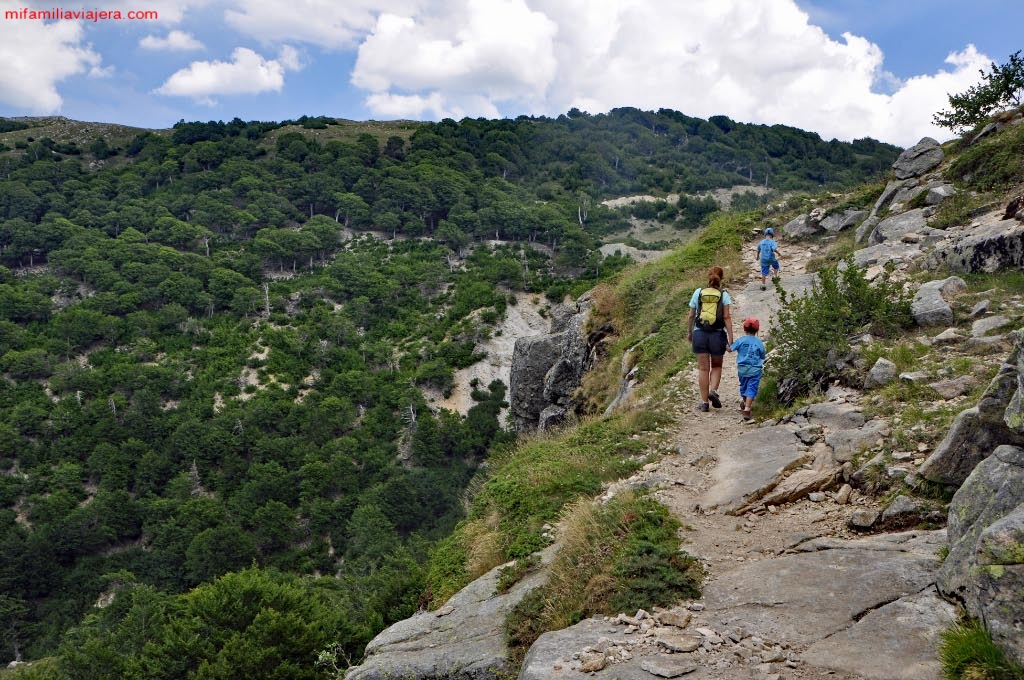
719	539
705	446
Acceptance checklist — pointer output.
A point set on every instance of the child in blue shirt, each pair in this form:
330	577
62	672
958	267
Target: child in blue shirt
750	353
767	252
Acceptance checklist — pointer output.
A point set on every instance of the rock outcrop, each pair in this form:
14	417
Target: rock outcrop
547	369
986	246
917	160
985	565
996	420
463	640
930	306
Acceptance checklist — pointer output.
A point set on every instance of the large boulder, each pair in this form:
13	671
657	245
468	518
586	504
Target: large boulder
918	159
1000	558
976	432
801	226
939	193
893	189
985	565
892	228
547	369
865	228
989	246
844	220
463	640
882	373
930	307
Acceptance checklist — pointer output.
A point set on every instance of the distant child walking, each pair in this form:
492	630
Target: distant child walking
750	353
768	251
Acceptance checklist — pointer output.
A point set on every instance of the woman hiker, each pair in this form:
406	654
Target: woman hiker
709	329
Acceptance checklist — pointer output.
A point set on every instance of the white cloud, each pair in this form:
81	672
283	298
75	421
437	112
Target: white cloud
476	53
246	73
325	23
434	105
36	56
178	41
752	60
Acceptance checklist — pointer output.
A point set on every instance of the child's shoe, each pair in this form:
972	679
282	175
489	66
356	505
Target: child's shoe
714	399
746	414
704	406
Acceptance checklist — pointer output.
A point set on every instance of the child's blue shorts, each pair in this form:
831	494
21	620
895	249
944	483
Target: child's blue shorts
748	386
769	264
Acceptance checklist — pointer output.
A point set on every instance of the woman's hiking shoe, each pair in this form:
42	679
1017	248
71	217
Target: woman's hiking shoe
704	406
713	398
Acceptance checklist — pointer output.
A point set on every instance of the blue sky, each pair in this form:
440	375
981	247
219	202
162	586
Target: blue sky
842	68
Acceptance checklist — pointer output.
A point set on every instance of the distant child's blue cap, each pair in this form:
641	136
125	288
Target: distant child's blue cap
770	231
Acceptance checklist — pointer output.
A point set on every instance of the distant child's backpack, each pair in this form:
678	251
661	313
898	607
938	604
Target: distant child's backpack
765	249
710	309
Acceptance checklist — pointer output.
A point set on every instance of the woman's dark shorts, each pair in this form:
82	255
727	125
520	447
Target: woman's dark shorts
709	342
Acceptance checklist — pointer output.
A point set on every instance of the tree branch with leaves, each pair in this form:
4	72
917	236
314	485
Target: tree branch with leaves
1000	89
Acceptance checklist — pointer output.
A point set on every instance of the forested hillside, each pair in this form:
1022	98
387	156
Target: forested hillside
208	368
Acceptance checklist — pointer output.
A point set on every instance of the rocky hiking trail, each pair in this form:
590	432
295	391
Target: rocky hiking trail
808	573
792	590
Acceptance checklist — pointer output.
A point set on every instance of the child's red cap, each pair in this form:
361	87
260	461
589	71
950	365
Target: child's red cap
751	324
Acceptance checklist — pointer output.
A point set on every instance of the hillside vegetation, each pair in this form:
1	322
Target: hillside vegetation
213	381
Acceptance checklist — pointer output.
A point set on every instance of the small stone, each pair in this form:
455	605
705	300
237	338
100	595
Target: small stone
922	447
843	496
666	667
675	618
947	337
695	606
897	472
816	496
591	662
981	308
982	326
954	387
680	643
863	519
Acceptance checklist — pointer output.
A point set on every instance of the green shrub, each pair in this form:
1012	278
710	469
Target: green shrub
617	557
811	340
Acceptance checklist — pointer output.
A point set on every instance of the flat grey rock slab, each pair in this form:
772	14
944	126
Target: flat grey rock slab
836	415
550	656
895	642
989	323
750	464
889	251
804	598
463	639
847	443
